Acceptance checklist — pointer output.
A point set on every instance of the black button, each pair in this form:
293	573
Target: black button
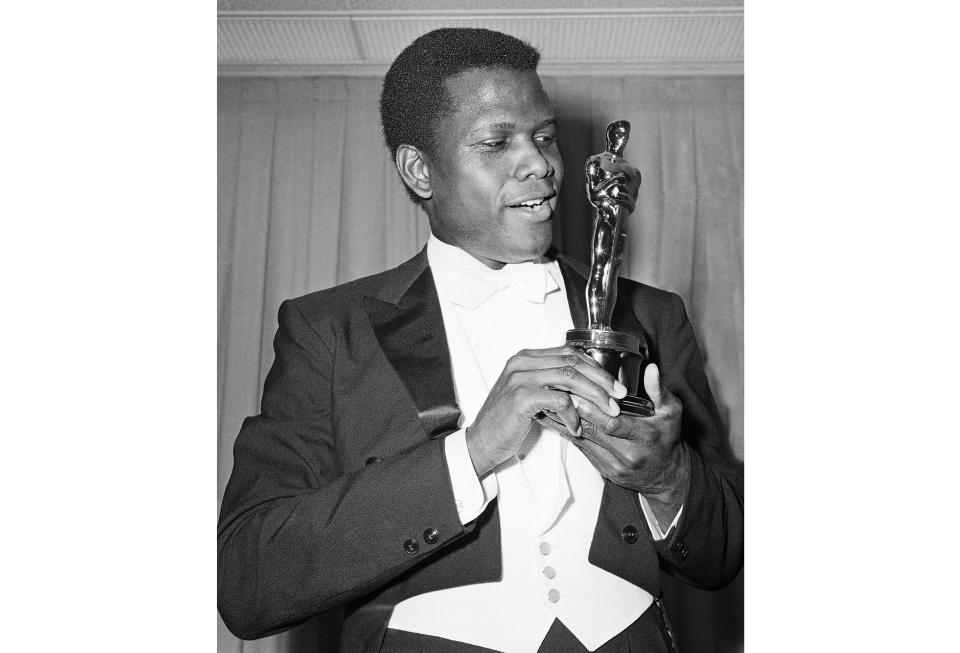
680	550
411	546
431	535
373	459
629	534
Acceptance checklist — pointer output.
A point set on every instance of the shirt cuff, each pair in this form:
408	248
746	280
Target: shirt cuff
652	522
470	493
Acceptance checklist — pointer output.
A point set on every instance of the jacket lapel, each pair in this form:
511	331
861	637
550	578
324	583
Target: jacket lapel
408	324
575	280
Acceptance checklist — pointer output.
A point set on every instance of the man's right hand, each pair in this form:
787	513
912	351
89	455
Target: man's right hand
537	384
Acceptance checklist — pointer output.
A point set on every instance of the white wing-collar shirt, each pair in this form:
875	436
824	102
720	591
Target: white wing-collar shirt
548	494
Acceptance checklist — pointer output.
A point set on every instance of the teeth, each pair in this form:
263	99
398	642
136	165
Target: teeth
531	203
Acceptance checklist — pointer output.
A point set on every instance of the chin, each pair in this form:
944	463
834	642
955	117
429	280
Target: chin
532	249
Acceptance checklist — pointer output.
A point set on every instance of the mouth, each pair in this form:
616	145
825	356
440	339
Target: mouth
537	206
529	204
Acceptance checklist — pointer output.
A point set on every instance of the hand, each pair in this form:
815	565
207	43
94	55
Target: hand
538	386
642	454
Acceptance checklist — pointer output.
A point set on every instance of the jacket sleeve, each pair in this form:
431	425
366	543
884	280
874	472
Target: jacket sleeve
706	547
297	534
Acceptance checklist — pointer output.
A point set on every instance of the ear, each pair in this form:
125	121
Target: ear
414	170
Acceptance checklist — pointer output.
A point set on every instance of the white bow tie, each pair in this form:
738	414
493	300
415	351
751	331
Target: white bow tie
528	280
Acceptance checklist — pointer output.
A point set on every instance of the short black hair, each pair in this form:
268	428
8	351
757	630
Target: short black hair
414	95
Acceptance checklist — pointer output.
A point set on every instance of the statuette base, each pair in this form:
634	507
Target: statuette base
622	355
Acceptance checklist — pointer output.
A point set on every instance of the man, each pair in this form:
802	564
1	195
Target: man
428	457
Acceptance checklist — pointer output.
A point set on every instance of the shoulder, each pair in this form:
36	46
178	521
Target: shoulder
347	298
661	313
341	296
664	303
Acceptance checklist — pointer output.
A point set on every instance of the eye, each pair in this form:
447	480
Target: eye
493	144
546	139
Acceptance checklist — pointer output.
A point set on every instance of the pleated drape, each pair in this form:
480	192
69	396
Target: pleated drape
308	198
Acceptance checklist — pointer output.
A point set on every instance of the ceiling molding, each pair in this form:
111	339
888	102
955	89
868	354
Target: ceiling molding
479	13
641	40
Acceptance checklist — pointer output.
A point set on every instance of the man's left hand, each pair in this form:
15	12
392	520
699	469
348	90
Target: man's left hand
643	454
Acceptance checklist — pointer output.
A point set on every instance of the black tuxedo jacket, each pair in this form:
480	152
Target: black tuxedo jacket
340	494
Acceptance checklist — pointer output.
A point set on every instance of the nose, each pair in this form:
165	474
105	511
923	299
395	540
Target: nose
533	162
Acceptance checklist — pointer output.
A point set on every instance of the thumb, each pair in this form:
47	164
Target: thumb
651	383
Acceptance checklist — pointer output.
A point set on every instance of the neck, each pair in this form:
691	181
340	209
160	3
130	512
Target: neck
490	263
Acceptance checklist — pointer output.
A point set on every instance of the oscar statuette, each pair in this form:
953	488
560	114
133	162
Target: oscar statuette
612	188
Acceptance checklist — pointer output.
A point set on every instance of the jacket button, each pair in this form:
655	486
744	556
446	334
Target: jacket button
680	550
629	534
431	535
411	546
373	459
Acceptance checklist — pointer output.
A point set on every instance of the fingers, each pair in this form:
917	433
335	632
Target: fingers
559	350
552	408
607	422
570	380
601	377
527	359
651	383
566	368
603	459
662	398
615	454
552	422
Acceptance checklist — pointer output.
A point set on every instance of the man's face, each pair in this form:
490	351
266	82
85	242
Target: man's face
497	173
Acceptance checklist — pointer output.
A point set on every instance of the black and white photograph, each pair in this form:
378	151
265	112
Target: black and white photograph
480	327
394	326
